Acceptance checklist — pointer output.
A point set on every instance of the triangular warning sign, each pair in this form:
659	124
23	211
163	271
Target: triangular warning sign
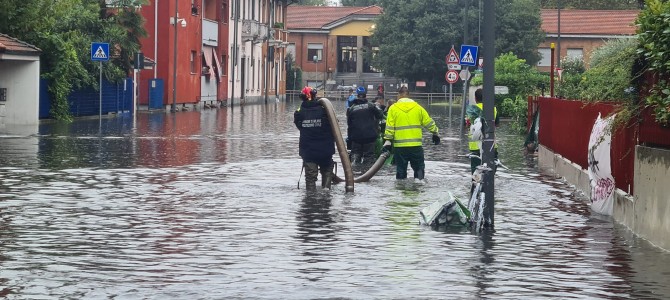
452	58
100	53
467	58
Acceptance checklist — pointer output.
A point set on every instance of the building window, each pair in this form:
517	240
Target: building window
314	50
193	54
576	53
545	57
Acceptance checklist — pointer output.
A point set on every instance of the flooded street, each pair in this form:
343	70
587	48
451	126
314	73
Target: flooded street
205	205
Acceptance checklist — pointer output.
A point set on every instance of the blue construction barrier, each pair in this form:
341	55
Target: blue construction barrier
116	98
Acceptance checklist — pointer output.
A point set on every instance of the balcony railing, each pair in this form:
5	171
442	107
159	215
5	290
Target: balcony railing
252	30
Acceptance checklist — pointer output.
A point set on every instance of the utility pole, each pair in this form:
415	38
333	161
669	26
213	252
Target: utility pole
236	19
489	115
465	82
558	38
174	61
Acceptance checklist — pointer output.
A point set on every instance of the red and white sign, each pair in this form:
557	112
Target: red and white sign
451	76
420	83
452	57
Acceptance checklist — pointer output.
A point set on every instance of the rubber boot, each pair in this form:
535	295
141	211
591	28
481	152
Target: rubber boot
311	172
327	177
355	160
419	175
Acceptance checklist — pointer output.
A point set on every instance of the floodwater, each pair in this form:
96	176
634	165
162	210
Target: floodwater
206	205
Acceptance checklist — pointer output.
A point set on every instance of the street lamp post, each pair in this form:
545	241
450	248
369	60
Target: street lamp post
316	63
182	22
174	59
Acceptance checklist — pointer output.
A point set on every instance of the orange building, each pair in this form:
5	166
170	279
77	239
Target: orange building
329	43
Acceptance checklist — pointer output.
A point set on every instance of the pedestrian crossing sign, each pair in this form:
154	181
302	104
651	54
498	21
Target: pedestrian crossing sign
99	51
469	55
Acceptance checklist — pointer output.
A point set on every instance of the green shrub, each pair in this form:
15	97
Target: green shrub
517	109
654	45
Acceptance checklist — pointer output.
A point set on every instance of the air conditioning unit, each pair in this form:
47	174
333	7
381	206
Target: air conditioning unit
3	94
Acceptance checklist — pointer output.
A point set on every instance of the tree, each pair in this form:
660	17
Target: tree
359	2
312	2
64	30
414	38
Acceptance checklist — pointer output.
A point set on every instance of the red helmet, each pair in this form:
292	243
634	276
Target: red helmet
306	93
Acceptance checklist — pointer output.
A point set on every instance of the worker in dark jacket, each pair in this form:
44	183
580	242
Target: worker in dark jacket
317	144
363	120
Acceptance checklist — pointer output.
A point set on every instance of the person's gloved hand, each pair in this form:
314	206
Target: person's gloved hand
387	146
436	139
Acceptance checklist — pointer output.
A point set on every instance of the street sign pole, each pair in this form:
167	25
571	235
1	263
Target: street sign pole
100	53
451	100
100	100
465	101
488	155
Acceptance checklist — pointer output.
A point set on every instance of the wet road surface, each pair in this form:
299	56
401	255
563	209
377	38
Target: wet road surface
205	205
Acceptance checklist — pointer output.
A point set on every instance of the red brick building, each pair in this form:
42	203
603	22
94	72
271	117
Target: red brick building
582	31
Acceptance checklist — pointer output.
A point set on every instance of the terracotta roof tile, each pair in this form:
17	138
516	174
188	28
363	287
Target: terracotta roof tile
315	17
593	22
11	45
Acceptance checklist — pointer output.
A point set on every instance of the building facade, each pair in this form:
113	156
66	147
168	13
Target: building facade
211	52
582	31
19	82
331	45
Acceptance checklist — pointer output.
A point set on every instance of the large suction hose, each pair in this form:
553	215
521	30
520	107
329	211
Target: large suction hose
341	148
371	172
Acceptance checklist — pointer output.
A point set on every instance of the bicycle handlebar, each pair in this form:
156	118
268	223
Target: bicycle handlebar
496	161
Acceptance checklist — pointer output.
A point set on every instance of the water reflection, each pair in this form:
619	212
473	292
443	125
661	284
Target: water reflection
317	231
204	204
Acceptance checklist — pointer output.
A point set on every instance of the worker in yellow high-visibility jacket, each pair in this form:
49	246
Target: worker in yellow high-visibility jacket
474	112
404	124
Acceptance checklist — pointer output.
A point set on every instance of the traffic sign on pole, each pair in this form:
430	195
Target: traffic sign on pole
452	57
451	76
99	51
468	55
465	74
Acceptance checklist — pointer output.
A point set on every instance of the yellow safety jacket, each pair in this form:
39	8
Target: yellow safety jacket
474	145
404	123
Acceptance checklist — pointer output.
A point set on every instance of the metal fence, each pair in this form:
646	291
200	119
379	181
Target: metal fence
292	95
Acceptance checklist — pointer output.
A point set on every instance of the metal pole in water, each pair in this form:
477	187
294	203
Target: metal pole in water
451	100
100	102
489	102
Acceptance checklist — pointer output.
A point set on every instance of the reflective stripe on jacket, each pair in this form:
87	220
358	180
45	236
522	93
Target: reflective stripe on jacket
472	144
404	123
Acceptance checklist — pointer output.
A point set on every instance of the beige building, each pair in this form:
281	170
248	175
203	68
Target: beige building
19	82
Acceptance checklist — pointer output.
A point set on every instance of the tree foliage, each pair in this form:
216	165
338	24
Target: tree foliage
312	2
593	4
359	2
653	34
64	30
415	36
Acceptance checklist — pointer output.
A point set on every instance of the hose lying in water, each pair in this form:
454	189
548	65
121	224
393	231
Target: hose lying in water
341	148
371	172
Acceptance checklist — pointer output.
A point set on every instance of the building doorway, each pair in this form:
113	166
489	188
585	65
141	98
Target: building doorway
347	52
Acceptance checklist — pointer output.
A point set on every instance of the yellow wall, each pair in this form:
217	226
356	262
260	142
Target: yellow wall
355	28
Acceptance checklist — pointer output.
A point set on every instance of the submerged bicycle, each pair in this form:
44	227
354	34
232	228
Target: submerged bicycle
477	202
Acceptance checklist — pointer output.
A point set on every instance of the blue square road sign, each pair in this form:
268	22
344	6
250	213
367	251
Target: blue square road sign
99	51
469	55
